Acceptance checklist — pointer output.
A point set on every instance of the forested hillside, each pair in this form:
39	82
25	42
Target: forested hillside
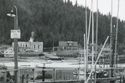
52	20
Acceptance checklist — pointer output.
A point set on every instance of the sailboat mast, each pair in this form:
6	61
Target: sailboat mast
97	26
96	37
116	35
111	24
85	57
86	45
111	45
86	19
92	36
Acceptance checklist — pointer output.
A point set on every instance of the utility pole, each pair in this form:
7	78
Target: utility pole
15	34
16	47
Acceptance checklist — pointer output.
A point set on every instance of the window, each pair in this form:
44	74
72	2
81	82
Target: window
26	45
34	46
38	46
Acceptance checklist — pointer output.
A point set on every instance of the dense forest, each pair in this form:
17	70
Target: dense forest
52	21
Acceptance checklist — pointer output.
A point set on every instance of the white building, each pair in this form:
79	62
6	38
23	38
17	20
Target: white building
36	46
26	48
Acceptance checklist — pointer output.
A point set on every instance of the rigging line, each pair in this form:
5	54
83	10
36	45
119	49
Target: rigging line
97	58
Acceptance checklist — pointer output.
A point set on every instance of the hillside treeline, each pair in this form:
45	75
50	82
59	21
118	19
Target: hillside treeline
52	21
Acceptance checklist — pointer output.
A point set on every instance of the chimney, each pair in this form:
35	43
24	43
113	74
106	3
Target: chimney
32	37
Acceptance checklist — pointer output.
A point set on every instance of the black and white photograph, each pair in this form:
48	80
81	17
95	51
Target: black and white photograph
62	41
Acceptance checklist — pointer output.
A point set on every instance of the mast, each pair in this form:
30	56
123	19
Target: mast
86	19
88	37
97	27
111	25
111	45
85	61
86	45
96	49
116	35
92	36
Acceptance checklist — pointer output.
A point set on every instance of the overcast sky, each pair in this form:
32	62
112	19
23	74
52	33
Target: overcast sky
105	6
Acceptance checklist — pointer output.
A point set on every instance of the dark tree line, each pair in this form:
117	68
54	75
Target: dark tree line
52	21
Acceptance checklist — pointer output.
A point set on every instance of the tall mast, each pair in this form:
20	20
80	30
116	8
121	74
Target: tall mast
86	19
92	35
111	25
116	35
86	45
97	26
85	57
96	36
111	45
